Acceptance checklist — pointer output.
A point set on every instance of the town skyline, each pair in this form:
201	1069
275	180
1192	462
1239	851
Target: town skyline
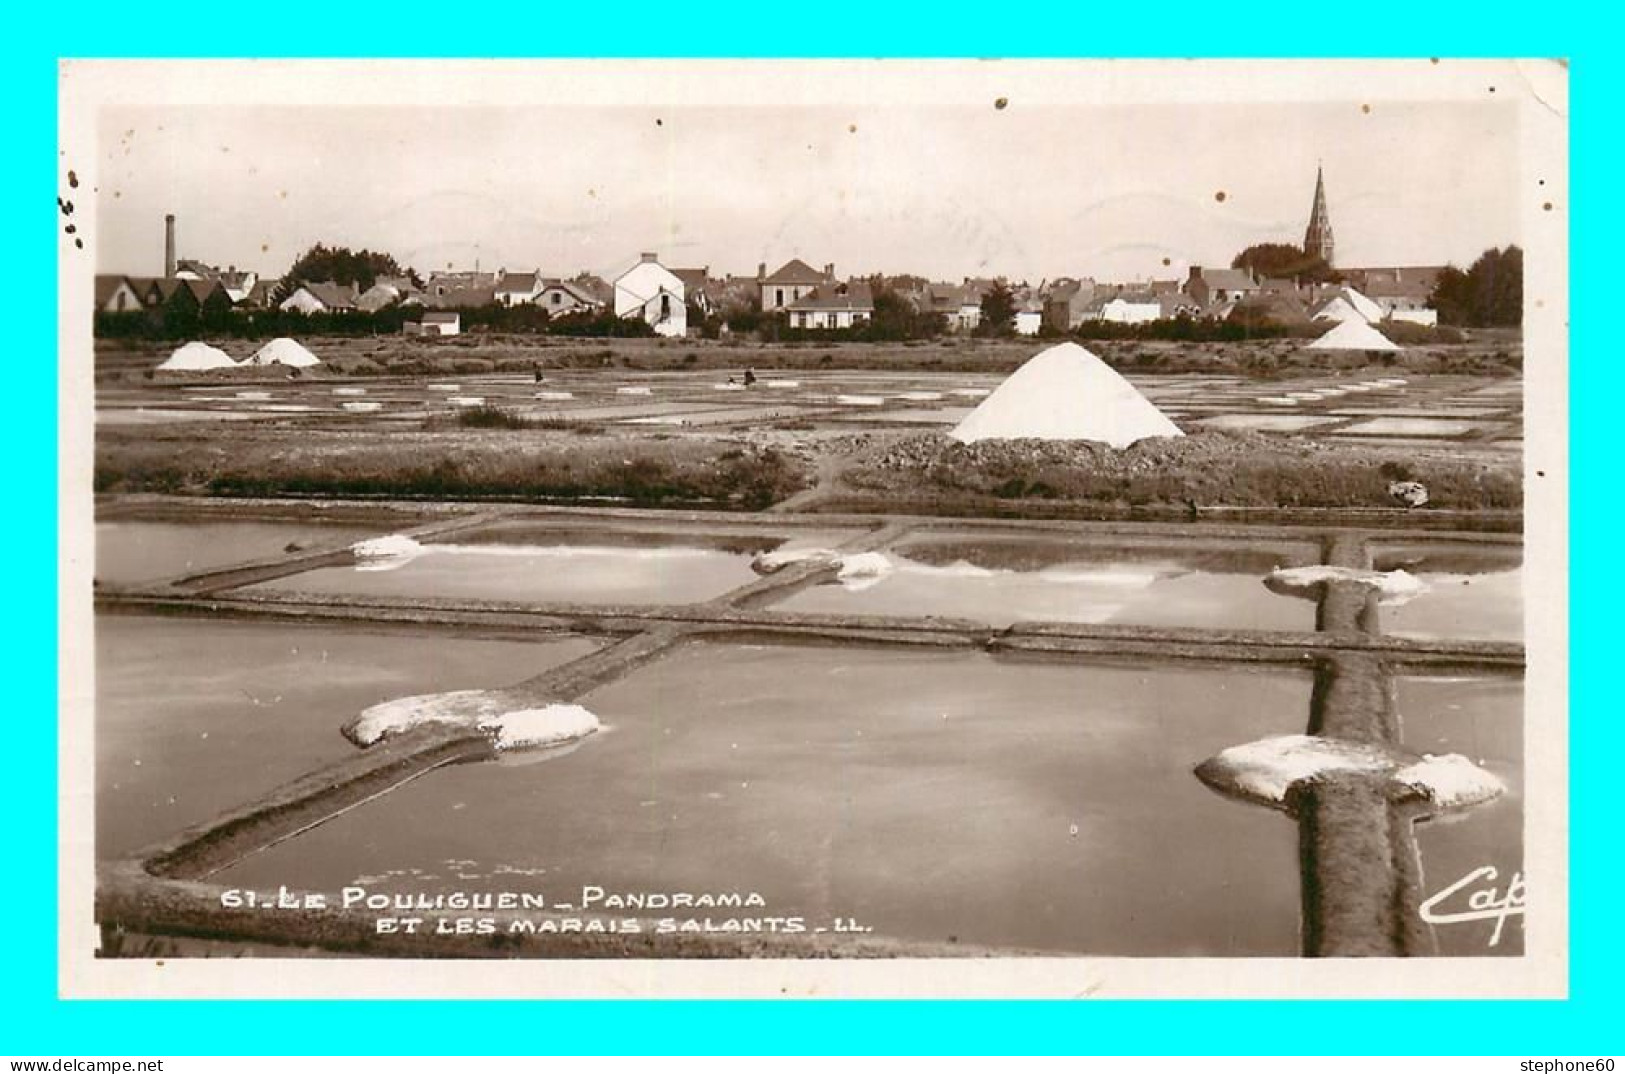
945	192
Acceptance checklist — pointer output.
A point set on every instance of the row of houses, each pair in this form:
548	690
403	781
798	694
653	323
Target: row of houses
806	297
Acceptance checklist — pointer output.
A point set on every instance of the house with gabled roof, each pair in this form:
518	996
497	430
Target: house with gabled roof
794	279
116	294
1131	307
517	288
960	304
320	297
650	291
1219	288
560	298
833	305
696	282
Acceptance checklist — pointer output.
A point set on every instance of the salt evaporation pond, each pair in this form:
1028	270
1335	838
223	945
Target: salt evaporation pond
527	563
932	796
1000	581
1474	592
143	551
1482	719
195	716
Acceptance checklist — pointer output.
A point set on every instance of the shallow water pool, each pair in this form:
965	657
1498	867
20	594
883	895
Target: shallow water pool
935	796
194	716
141	551
1474	592
528	563
1482	719
1000	581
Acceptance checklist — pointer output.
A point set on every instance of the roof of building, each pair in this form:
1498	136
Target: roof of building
463	298
440	317
1287	309
1228	279
332	295
855	296
694	279
601	292
107	287
1067	290
1173	302
796	271
519	283
1395	280
949	296
574	290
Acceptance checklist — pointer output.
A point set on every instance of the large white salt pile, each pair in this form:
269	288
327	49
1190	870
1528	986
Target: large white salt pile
198	356
1353	336
1065	393
284	351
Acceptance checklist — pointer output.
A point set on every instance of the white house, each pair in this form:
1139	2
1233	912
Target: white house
320	298
833	306
435	323
794	281
653	292
518	288
1028	322
1128	309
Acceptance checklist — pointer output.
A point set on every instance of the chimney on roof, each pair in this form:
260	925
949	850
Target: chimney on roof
649	259
169	245
761	271
1196	272
829	271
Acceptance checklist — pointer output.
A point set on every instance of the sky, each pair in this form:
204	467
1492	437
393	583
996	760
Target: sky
1030	192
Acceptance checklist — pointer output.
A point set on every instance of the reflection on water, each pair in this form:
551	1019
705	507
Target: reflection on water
1473	593
1482	719
928	795
129	552
196	716
1000	582
531	564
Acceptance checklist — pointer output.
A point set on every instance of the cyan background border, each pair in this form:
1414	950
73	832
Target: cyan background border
35	1022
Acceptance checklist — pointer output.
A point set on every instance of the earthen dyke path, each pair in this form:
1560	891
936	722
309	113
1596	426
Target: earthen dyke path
1360	874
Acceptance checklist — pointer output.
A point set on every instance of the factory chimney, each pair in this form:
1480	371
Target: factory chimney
169	246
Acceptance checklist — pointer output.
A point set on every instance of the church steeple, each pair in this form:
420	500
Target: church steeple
1317	240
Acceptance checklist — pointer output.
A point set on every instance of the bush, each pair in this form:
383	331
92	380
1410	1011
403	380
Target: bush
490	417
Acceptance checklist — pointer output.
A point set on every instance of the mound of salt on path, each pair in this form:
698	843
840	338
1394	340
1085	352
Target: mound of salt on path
284	351
1353	336
198	356
1269	770
1065	393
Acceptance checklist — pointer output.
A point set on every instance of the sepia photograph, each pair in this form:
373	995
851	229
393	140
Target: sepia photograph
757	528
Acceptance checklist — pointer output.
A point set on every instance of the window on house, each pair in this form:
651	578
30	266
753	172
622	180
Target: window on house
665	306
778	296
556	297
